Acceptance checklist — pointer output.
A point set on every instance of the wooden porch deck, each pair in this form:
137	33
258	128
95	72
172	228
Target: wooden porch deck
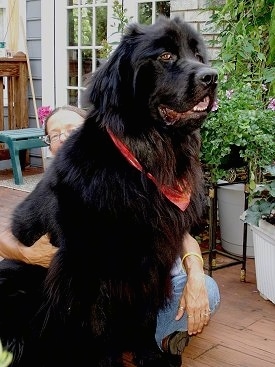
241	333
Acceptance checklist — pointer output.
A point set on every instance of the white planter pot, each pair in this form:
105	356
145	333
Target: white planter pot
264	250
230	207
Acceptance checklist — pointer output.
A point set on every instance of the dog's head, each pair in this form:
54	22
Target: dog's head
157	77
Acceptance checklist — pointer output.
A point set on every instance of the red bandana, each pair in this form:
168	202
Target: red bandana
175	195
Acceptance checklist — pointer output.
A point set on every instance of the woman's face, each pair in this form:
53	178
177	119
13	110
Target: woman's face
59	127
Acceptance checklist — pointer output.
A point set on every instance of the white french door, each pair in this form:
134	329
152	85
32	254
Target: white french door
80	29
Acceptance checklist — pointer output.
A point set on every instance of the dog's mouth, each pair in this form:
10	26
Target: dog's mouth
171	117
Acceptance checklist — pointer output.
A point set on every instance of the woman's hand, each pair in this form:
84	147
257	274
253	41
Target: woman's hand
40	253
194	301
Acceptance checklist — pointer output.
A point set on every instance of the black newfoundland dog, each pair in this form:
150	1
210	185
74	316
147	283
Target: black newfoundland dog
116	200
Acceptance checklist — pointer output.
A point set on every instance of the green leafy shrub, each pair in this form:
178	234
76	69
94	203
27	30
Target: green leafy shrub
242	121
246	36
263	206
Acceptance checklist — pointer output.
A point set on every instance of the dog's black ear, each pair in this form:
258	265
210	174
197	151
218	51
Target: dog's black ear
105	81
132	30
111	85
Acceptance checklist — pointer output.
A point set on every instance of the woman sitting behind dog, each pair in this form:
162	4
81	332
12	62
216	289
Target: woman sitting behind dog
195	295
58	125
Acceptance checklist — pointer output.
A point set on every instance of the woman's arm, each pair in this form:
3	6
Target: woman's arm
40	253
194	300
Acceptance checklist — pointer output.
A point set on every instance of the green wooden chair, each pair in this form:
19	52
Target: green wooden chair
21	139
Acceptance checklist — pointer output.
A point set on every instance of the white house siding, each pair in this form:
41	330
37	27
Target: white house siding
193	12
30	35
33	40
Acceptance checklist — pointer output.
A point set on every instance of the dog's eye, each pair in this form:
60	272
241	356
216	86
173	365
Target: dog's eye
198	57
167	56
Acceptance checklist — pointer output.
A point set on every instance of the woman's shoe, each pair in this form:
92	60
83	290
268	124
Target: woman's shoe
175	343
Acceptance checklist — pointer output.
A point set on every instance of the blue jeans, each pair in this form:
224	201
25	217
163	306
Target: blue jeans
166	323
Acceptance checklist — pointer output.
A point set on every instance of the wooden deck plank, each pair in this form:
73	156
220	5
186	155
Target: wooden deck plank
242	328
221	356
241	333
245	341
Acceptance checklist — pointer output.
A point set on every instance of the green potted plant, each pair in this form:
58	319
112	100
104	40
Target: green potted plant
239	137
237	140
239	132
261	209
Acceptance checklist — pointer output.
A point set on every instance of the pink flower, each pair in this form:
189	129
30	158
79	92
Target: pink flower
229	93
215	105
264	88
43	113
271	104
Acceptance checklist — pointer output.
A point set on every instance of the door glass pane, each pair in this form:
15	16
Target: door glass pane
148	11
87	65
101	24
73	27
72	97
73	67
163	7
145	13
86	26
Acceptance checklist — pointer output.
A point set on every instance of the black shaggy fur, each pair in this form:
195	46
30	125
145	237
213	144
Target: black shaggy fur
118	235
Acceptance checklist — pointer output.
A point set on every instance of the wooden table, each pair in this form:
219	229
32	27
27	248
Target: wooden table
15	69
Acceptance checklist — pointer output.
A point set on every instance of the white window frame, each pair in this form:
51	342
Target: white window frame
48	26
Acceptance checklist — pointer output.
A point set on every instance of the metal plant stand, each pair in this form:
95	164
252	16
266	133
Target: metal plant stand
212	250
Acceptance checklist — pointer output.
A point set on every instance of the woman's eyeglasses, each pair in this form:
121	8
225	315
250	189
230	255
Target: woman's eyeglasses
56	137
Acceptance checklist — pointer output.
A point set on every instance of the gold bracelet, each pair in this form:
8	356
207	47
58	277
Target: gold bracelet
192	253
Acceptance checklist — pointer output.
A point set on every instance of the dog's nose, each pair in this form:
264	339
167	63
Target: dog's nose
207	76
